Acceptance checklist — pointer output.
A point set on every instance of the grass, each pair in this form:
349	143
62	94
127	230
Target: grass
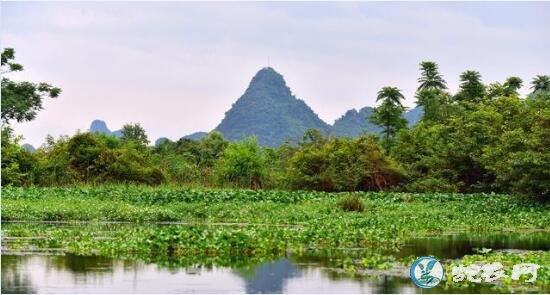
352	204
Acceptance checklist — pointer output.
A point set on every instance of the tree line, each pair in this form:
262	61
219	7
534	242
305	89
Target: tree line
483	138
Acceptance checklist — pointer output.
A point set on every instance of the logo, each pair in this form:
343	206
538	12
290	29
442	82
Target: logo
427	272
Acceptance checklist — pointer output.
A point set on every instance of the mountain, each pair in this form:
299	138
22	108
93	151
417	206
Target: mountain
414	115
161	140
28	147
269	110
354	123
196	135
99	126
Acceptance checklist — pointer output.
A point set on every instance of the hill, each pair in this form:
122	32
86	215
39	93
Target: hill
354	123
269	110
100	126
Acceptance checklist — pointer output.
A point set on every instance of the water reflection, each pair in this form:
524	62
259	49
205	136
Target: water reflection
458	245
268	277
292	274
90	274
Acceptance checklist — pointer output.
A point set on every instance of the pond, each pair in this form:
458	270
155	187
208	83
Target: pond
67	273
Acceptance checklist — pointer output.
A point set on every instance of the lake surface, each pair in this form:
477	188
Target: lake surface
38	273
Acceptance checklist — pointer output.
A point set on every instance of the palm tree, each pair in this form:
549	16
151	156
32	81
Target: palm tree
471	87
512	85
389	114
391	95
430	78
470	77
541	83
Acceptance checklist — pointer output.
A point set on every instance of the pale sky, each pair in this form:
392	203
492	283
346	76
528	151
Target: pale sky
177	67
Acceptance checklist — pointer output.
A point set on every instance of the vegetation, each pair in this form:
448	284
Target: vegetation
389	114
484	138
256	222
352	203
21	100
508	259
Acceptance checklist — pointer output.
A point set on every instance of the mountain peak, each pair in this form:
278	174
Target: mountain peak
99	126
269	81
268	110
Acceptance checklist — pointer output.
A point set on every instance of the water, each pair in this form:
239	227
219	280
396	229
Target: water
89	274
292	274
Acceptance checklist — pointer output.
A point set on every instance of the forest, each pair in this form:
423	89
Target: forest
483	138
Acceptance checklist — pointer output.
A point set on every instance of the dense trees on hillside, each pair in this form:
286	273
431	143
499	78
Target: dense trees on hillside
484	138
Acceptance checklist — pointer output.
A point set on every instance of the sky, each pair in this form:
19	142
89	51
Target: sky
176	67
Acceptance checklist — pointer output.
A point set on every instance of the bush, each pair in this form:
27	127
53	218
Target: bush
17	163
351	203
242	164
340	164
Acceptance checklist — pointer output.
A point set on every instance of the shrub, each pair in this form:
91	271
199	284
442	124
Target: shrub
341	164
242	164
351	203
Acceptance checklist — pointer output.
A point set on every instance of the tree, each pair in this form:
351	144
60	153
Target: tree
471	87
243	163
496	89
512	85
541	83
21	100
390	94
436	104
134	133
210	148
519	158
342	164
430	93
17	163
430	78
389	114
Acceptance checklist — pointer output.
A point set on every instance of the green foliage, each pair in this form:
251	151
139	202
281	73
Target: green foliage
255	223
243	163
508	260
351	203
496	145
436	104
430	78
519	158
92	157
134	133
482	139
540	84
17	163
471	88
340	164
21	100
512	85
389	115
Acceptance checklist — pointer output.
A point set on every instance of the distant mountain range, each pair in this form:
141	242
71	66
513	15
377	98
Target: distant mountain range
269	111
100	126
